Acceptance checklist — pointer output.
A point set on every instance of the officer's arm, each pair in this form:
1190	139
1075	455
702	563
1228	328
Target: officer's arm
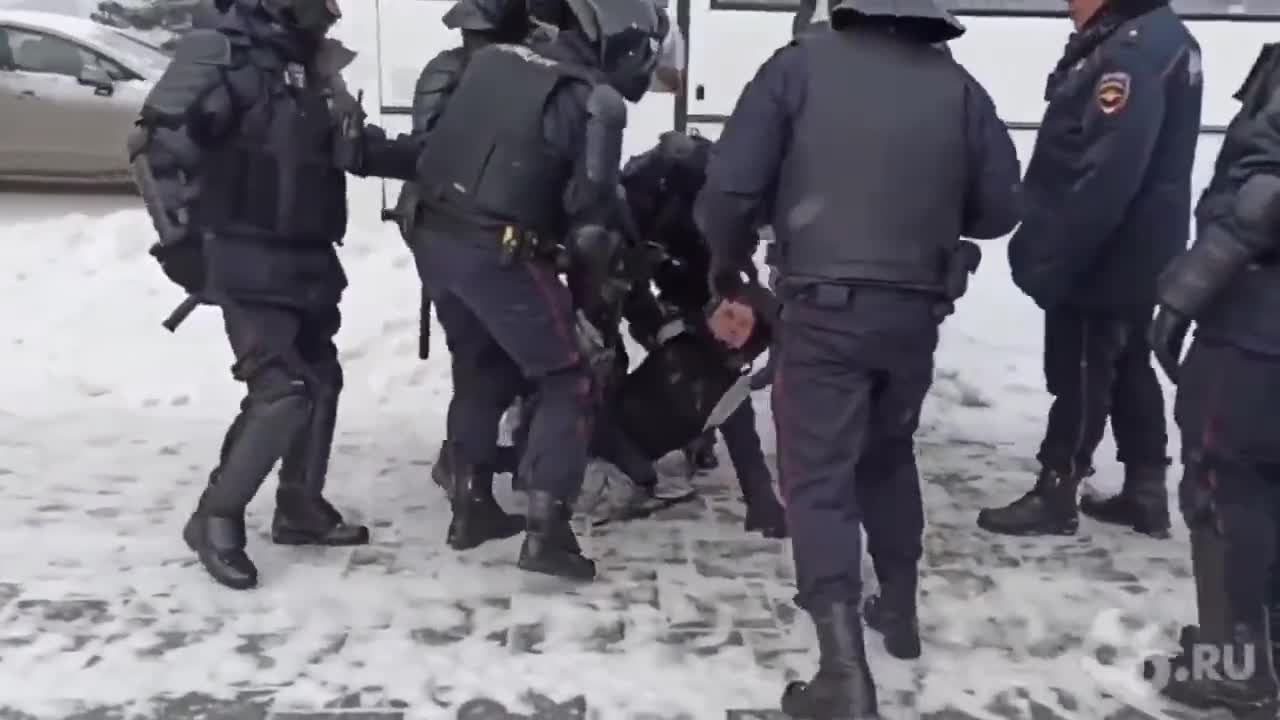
594	140
745	161
1120	127
435	85
991	204
397	157
1225	246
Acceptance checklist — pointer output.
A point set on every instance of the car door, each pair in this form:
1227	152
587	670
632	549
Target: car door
17	107
119	112
61	115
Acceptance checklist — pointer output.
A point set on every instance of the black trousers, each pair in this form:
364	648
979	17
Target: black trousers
1228	409
852	374
288	362
510	327
1097	366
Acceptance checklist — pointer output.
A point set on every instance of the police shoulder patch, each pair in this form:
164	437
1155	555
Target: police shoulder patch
1113	92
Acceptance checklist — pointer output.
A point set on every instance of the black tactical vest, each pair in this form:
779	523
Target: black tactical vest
873	188
487	164
1246	312
275	178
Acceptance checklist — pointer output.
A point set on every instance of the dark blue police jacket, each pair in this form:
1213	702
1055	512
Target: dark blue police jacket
1107	194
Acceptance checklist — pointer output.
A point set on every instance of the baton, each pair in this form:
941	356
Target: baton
180	313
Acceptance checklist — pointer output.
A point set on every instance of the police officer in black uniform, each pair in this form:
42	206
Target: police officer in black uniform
524	157
868	211
1107	194
1228	283
237	157
661	186
481	23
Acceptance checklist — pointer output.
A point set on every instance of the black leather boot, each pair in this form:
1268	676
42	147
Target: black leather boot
303	516
1143	502
1243	680
550	547
765	514
477	516
441	472
701	453
256	439
1049	509
842	689
219	544
892	613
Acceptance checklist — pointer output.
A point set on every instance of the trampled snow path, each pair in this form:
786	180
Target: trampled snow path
108	426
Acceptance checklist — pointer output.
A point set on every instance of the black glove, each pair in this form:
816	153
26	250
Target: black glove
726	281
1167	335
183	263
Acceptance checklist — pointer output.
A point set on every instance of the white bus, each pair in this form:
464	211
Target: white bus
1010	46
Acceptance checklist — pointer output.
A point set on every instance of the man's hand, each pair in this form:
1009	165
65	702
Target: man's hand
1167	335
732	323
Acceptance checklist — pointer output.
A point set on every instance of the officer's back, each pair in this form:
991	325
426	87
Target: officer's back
875	153
880	183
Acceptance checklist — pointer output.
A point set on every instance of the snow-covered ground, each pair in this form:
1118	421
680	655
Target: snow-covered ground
108	426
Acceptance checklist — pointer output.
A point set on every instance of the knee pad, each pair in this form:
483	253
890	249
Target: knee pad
276	392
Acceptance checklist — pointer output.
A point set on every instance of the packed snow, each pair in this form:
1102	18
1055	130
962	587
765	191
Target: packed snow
109	426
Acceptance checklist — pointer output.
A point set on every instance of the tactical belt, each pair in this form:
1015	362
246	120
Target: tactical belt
515	244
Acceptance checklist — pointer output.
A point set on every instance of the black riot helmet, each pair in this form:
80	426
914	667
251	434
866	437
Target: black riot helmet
1261	82
627	35
508	20
924	20
308	17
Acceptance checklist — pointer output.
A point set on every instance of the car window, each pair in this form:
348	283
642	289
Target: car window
40	53
6	50
115	70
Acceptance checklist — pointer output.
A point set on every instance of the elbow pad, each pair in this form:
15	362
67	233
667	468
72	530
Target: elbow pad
595	274
1257	208
1194	279
606	120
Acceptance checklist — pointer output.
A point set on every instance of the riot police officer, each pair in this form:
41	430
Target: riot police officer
1228	283
237	160
481	23
868	212
525	155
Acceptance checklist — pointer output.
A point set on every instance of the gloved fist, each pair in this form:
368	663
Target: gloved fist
1167	335
725	282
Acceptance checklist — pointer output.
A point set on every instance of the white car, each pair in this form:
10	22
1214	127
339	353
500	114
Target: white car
70	90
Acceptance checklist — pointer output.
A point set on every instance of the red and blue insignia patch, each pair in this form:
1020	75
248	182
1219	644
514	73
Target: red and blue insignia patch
1112	92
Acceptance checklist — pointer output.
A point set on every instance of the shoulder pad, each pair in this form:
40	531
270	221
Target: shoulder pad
197	66
786	51
334	57
203	47
606	103
441	72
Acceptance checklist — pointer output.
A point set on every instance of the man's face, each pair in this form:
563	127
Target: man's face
732	323
1081	10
